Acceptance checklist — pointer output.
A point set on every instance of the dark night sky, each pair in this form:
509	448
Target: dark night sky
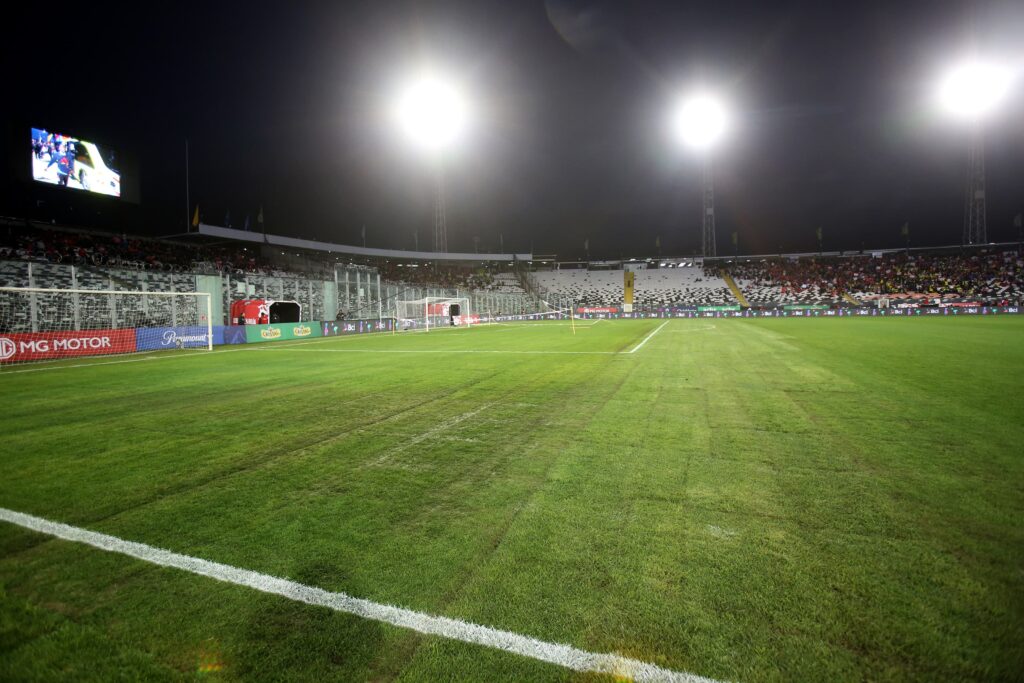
282	106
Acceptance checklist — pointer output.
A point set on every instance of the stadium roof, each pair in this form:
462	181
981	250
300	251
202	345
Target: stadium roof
215	231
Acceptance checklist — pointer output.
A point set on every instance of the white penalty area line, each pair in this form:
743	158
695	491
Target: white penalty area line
647	338
454	629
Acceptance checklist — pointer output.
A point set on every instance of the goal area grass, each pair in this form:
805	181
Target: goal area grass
740	499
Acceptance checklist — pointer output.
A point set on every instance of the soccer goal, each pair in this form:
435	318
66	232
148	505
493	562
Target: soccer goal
433	312
51	324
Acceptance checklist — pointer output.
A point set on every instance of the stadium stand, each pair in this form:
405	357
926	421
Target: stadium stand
653	287
67	259
39	256
478	278
988	276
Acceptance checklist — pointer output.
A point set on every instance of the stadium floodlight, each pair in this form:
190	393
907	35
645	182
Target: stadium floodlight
432	112
973	89
700	121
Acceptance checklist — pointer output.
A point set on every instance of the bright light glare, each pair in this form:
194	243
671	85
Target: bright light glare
431	112
974	89
700	121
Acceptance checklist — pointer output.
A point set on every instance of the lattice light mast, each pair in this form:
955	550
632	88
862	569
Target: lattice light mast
433	114
440	221
971	92
708	247
975	229
699	122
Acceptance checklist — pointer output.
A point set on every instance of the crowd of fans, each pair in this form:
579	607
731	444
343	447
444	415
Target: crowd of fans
42	245
995	276
26	242
452	277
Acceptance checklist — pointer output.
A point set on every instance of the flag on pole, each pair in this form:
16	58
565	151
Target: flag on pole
905	230
657	242
1018	220
247	222
586	244
818	233
364	235
195	218
501	242
227	218
259	218
735	238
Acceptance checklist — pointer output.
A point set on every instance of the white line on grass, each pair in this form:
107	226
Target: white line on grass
591	353
640	345
544	324
198	354
455	629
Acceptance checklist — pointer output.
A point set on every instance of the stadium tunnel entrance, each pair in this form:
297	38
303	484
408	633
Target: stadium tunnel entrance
285	312
264	311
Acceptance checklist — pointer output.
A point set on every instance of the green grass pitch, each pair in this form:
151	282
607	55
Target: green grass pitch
748	500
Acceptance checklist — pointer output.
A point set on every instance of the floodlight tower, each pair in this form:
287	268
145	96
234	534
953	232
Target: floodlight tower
970	92
432	113
708	243
440	220
975	212
699	122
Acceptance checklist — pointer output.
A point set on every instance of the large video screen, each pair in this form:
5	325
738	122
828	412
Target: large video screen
71	162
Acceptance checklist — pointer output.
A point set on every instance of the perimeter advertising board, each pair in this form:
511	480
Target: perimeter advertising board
187	337
337	328
281	331
26	346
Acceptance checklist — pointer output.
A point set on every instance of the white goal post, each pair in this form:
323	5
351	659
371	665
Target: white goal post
433	312
50	324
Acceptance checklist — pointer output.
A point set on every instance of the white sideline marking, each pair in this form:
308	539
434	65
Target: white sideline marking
255	346
640	345
202	354
599	353
455	629
543	323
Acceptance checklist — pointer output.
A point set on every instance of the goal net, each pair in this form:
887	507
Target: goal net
51	324
433	312
545	313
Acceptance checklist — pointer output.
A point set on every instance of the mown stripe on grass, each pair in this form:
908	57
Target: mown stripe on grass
454	629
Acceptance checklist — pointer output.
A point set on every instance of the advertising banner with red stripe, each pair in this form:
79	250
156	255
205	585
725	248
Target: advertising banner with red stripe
15	348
